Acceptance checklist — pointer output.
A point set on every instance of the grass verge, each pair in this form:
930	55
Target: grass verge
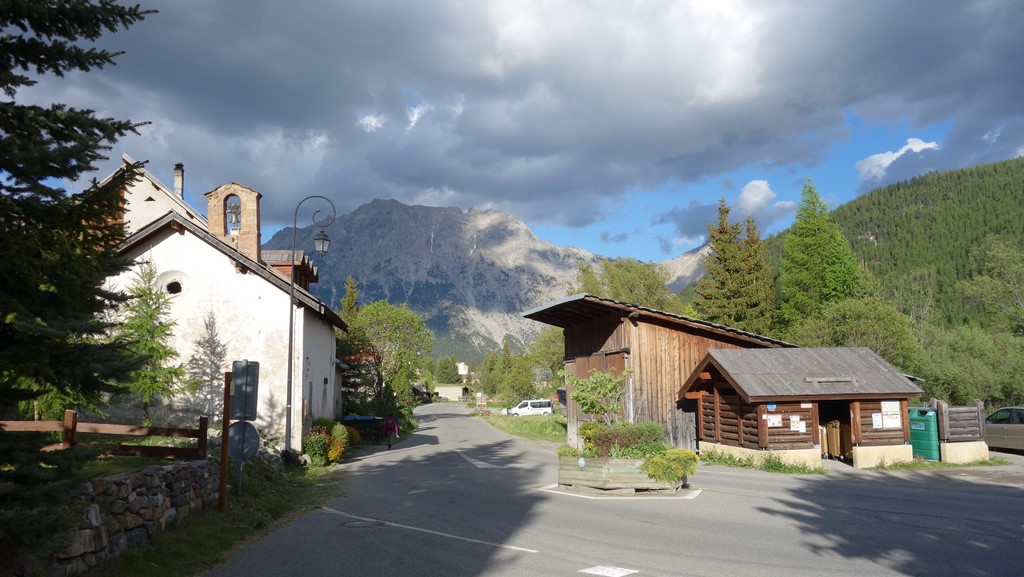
268	500
769	462
921	464
538	428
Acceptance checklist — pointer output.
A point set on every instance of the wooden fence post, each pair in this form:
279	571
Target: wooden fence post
204	426
67	434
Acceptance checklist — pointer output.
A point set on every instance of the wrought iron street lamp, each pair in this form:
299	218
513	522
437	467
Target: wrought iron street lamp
320	244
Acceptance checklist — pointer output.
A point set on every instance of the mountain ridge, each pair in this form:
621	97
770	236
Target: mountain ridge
469	274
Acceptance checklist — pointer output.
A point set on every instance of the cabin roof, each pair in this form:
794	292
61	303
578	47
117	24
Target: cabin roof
810	373
584	307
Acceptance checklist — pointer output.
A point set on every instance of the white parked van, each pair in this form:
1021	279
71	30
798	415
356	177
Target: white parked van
531	407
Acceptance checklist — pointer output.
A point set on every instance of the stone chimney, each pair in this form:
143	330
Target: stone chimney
179	180
233	215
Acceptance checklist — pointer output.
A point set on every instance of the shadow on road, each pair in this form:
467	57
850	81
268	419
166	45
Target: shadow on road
942	522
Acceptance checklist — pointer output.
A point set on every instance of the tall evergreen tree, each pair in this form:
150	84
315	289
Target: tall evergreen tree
737	290
146	330
759	316
817	266
57	248
719	292
350	302
447	370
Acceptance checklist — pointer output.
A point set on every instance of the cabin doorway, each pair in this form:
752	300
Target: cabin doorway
837	435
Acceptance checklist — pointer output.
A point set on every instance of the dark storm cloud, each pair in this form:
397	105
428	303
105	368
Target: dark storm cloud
547	110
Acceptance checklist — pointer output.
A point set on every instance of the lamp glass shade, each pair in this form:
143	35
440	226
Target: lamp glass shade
321	242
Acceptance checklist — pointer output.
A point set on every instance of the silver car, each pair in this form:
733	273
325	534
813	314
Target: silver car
1005	428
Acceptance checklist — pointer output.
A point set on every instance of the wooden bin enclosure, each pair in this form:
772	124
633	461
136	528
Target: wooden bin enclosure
609	474
775	399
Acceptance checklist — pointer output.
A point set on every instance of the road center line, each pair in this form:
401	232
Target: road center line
477	464
431	532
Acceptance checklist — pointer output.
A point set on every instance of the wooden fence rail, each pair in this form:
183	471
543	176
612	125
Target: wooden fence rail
70	426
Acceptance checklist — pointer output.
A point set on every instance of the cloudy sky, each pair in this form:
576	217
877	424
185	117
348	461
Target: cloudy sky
613	126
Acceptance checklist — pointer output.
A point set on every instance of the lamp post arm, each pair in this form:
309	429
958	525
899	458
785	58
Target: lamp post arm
291	309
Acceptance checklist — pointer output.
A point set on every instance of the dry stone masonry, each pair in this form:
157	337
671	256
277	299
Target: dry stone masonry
126	510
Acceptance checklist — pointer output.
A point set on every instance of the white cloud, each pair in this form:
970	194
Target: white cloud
754	197
371	122
547	109
415	112
874	167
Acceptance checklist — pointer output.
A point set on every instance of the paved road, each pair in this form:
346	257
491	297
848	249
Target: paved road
461	499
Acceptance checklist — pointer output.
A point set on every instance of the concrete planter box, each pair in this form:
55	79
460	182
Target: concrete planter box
609	474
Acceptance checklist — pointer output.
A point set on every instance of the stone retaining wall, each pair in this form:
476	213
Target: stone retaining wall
126	510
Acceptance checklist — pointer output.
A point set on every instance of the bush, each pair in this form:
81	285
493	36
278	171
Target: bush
625	437
316	445
673	465
335	450
638	451
570	451
323	423
354	438
340	432
587	431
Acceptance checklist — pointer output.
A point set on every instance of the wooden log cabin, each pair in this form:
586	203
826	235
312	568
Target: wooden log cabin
801	404
659	350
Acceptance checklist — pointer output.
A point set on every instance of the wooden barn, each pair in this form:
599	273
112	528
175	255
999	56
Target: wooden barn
659	349
802	403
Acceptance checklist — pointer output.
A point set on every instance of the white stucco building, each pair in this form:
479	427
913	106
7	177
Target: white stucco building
213	265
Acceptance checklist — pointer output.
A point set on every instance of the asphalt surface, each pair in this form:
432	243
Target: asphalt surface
459	498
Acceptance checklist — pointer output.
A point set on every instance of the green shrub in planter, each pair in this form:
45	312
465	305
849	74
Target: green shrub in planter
673	465
626	436
637	451
587	431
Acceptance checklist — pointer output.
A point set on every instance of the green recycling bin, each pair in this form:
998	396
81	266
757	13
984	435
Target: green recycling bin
924	433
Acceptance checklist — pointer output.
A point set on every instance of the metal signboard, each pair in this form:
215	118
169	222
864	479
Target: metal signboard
243	441
245	380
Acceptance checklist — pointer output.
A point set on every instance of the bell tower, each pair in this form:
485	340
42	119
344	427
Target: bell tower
233	215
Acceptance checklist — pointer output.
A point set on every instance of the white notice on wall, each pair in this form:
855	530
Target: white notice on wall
876	420
891	415
773	420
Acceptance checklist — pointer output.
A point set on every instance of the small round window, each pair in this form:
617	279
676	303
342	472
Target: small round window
173	282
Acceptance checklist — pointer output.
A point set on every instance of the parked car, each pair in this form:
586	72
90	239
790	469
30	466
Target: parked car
531	407
1005	428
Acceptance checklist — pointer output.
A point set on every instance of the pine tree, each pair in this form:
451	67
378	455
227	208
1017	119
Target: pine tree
737	290
447	370
817	266
146	330
719	292
350	302
759	315
57	248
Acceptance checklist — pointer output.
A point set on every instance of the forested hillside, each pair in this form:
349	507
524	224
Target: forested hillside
916	236
928	243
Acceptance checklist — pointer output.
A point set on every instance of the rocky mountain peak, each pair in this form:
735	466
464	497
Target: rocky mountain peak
468	274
